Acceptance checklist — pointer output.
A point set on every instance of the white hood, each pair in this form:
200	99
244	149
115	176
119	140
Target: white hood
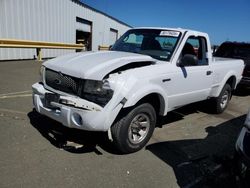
93	65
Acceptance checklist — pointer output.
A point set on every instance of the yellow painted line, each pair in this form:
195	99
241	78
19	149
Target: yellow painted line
12	111
15	96
19	92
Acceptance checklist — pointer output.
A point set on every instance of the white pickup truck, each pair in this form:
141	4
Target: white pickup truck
147	73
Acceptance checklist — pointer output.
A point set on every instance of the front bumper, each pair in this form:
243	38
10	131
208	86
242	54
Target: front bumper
91	118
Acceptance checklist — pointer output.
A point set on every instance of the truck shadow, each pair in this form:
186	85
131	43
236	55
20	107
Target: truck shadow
68	139
242	91
204	162
80	141
180	113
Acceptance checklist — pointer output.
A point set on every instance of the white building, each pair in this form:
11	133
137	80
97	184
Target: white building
65	21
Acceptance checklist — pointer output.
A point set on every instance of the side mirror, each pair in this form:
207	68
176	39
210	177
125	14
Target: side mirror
110	47
188	60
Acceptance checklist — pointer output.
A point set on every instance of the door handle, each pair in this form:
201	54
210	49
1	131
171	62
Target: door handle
209	72
166	80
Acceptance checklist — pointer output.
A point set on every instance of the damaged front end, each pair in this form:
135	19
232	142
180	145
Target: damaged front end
98	92
75	102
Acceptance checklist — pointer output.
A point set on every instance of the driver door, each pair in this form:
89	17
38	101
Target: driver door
191	82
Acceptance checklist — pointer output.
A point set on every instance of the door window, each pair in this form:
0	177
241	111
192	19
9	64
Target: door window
197	47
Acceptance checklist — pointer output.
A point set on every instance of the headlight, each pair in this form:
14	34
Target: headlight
93	87
97	91
42	72
247	121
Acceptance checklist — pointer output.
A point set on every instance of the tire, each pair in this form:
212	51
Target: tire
223	99
132	131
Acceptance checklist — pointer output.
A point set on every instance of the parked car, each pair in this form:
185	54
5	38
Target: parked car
239	51
147	73
243	153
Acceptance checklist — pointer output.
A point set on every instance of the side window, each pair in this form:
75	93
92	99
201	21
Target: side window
132	38
196	46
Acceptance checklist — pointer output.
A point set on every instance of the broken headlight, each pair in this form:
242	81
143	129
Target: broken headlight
98	92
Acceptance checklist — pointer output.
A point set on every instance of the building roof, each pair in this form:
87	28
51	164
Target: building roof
103	13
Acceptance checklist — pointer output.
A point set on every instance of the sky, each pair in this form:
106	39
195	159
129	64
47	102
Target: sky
221	19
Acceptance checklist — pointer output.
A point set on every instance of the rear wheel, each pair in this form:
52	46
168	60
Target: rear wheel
223	99
133	130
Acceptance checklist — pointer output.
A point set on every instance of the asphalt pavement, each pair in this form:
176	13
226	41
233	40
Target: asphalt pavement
39	152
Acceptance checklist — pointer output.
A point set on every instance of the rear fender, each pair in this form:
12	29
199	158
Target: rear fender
216	92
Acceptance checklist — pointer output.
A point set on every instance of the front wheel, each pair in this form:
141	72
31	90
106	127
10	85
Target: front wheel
133	130
223	99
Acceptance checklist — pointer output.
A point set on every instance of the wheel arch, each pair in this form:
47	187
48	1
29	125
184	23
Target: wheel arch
231	81
155	98
228	79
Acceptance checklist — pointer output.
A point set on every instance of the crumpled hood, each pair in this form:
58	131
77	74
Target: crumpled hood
93	65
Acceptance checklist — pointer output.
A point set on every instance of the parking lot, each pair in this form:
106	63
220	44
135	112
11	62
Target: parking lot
38	152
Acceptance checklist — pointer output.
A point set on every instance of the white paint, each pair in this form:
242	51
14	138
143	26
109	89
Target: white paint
15	96
93	65
18	92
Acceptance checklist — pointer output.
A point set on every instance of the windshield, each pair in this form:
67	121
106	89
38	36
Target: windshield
159	44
